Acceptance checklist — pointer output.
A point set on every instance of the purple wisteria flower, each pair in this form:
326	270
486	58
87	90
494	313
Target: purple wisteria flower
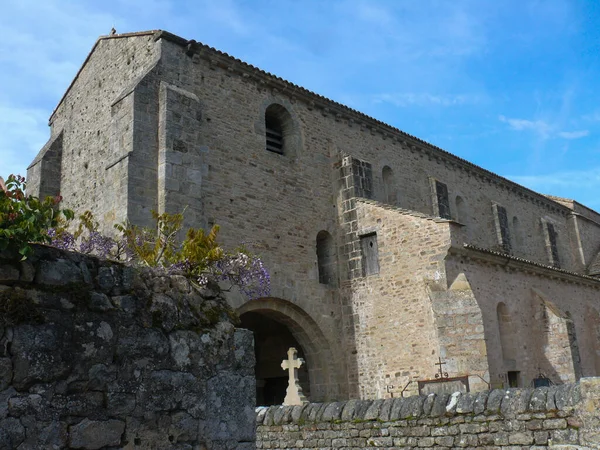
246	272
63	240
97	244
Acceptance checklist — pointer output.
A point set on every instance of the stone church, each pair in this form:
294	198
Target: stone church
391	260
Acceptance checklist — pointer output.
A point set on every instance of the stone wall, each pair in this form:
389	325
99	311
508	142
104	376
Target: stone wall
394	302
563	417
96	355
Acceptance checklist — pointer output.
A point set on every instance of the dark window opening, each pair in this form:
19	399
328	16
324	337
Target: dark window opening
274	136
552	243
443	203
513	379
278	126
370	254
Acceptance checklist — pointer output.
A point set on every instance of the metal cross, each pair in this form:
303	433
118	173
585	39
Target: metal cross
390	390
441	373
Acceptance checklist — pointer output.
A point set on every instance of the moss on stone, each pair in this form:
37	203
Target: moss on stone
16	309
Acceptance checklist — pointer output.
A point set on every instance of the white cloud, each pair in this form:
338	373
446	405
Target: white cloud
538	126
577	178
593	117
574	134
544	129
425	99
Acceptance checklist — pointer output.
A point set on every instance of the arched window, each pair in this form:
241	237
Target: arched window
462	215
278	129
508	340
389	185
326	258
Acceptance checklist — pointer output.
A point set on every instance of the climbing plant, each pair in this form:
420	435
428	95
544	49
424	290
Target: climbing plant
25	218
198	256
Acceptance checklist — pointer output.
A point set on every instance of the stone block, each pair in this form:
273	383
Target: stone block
99	302
521	438
58	273
538	399
466	403
494	401
373	410
93	435
439	405
412	407
12	433
515	401
8	273
6	373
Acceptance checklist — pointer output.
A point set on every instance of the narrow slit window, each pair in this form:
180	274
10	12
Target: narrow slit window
441	199
502	230
552	244
370	254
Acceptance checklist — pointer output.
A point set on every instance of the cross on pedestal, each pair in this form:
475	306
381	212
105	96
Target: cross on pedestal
293	394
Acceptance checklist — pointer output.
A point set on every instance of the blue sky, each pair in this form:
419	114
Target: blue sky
512	85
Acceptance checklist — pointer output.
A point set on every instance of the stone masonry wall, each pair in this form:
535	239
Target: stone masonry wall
391	331
563	417
96	355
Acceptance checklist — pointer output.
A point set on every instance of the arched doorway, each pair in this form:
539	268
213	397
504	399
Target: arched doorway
277	325
272	340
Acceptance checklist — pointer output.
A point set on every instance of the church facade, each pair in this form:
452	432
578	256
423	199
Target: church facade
387	255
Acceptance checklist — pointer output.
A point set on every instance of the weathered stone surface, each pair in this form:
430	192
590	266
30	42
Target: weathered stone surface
515	401
516	419
12	433
41	353
466	403
58	273
439	405
494	401
99	302
92	435
6	373
106	279
374	410
8	273
92	371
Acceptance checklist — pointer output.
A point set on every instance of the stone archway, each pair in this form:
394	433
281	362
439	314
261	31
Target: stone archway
320	361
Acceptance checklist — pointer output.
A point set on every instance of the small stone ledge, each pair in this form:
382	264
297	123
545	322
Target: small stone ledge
505	403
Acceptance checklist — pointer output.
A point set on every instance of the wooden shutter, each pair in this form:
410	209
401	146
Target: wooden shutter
370	254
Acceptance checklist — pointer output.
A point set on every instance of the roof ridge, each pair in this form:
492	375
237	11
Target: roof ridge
193	45
528	261
408	212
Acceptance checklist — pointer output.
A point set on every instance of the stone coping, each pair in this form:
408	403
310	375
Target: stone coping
504	402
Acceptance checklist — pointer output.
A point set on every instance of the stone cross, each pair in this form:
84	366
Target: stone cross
293	394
